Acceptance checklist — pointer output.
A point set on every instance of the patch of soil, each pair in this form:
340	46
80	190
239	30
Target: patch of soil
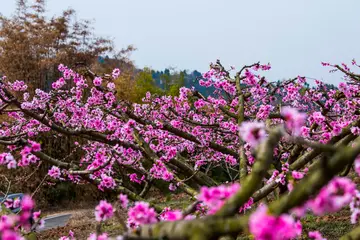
82	223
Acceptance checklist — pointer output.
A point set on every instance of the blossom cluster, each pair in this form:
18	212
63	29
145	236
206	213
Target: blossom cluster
213	198
11	224
184	139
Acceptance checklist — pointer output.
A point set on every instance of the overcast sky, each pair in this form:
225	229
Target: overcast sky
294	36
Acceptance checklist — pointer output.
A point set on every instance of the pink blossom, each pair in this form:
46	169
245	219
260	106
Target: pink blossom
334	196
253	132
171	215
106	182
35	147
297	175
103	236
318	117
231	160
111	86
8	203
355	130
266	227
93	236
18	86
10	235
294	120
54	172
97	81
305	131
316	235
69	237
103	211
299	211
357	165
64	238
17	203
214	197
61	67
264	111
115	73
134	178
172	187
36	215
124	201
140	214
355	208
159	171
27	203
246	206
11	164
167	176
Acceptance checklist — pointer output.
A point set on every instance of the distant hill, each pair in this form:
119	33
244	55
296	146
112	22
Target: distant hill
164	79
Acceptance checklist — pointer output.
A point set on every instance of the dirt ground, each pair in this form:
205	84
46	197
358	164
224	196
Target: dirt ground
82	223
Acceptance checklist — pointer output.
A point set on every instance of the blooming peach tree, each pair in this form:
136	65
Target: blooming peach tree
282	139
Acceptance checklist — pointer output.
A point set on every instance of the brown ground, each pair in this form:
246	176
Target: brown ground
82	223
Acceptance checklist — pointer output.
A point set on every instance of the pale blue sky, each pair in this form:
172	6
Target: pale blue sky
295	36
